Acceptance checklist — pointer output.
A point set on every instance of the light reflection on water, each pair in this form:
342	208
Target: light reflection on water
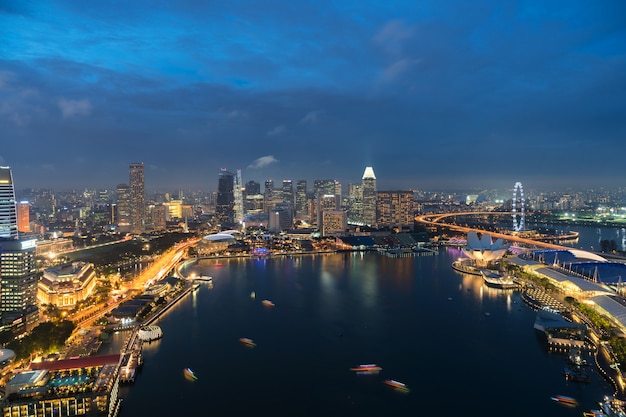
335	312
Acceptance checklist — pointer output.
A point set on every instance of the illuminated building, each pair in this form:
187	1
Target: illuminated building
368	183
288	196
23	216
253	188
18	282
67	284
269	200
8	210
280	218
137	198
355	204
225	202
238	197
52	247
483	250
214	243
302	208
395	209
333	223
123	208
47	389
327	197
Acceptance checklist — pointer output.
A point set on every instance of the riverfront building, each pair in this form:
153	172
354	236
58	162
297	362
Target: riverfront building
67	284
86	386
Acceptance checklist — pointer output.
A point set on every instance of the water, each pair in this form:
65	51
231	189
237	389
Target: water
462	348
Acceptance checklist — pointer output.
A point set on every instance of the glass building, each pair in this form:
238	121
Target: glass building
8	209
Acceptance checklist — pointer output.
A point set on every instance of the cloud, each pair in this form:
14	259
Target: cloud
71	108
392	34
276	131
263	162
399	67
311	117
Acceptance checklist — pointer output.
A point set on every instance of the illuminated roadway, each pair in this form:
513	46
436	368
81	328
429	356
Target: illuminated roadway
434	219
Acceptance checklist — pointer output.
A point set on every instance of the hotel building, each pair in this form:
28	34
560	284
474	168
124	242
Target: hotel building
65	285
86	386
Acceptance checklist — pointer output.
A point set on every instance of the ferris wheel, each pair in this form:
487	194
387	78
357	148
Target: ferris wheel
518	207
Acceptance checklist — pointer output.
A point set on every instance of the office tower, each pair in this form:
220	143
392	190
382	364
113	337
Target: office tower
355	204
395	209
18	282
253	188
137	199
269	200
326	197
238	195
8	210
333	223
123	208
368	183
225	202
302	208
23	217
280	218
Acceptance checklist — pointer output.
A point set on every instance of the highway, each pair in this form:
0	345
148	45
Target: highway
434	219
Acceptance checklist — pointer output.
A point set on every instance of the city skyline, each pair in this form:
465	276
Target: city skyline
435	95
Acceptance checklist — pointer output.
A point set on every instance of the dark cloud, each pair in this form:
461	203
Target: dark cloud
428	93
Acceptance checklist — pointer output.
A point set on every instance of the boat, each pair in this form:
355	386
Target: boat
253	295
398	386
204	278
495	280
247	342
189	374
370	368
267	303
575	356
594	413
563	399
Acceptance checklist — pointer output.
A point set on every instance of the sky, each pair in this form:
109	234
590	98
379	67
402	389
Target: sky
432	94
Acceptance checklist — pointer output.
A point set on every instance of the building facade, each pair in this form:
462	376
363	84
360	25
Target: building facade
8	208
18	282
368	184
225	202
123	208
302	208
395	210
137	198
67	284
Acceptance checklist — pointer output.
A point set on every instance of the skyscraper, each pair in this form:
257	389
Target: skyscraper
225	202
137	198
238	195
302	209
8	210
369	196
23	216
123	207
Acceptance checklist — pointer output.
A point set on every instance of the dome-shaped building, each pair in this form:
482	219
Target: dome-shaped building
214	243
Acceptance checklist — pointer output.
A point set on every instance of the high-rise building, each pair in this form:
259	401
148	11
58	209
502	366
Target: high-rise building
18	282
269	200
23	217
333	223
253	188
123	208
355	204
288	192
137	198
8	210
326	197
302	208
368	183
395	209
225	203
238	195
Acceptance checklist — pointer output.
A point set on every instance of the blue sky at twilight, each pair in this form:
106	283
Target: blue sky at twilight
432	94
